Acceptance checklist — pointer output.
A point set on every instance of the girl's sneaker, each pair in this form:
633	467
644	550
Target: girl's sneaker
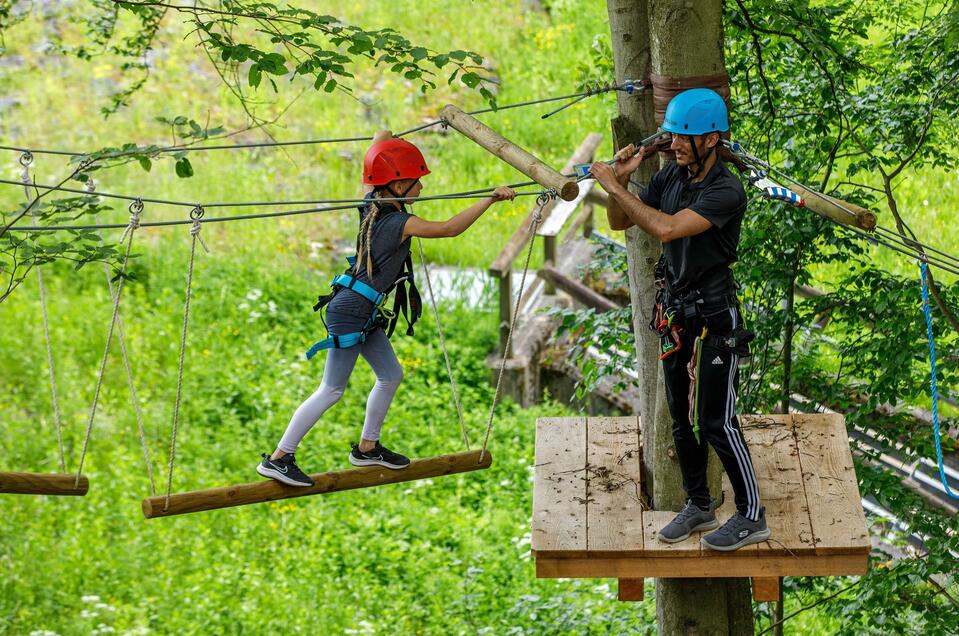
284	470
379	455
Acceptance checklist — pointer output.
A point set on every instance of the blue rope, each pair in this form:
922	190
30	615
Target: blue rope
932	365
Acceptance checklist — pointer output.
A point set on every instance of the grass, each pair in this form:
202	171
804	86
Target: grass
444	556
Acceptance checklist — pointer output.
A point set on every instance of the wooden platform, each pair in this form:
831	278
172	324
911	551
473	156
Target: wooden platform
588	519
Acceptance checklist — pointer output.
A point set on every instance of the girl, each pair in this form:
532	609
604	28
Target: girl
355	316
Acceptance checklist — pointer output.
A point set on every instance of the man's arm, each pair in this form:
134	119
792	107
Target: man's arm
664	227
627	160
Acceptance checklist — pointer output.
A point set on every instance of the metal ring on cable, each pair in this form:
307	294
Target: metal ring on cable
26	158
136	207
197	213
546	196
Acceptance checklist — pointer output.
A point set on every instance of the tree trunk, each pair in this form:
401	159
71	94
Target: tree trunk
677	39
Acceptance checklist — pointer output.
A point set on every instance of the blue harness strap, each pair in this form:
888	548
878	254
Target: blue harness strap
343	281
336	342
359	287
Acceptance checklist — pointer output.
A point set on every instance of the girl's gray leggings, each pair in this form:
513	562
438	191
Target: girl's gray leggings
378	352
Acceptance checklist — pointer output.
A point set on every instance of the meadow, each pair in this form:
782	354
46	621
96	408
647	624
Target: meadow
442	556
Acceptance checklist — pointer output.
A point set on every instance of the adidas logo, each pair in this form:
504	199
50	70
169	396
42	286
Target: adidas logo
717	360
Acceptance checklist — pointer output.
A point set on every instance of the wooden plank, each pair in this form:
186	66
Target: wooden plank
563	210
630	589
498	145
766	589
43	484
271	490
614	486
559	487
504	261
735	564
775	456
832	492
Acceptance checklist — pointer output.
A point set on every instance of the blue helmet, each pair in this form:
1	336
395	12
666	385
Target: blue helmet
696	112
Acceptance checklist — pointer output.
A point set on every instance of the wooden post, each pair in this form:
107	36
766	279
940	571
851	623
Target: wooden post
588	224
505	312
630	589
43	484
509	152
549	258
766	589
836	209
271	490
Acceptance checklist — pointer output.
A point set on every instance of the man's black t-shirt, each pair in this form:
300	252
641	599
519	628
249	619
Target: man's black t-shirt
720	199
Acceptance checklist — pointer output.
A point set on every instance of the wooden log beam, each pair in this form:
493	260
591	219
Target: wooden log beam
43	484
630	589
503	264
836	209
495	143
576	289
766	589
229	496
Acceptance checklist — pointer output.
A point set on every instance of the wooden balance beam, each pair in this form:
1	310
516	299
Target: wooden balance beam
43	484
509	152
270	490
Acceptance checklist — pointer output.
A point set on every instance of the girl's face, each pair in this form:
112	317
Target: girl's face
403	185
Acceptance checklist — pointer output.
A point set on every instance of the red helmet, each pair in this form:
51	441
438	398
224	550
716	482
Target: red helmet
393	159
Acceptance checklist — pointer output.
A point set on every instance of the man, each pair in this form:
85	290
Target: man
695	208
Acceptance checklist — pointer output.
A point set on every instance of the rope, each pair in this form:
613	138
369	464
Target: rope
467	194
91	188
923	271
544	198
195	216
890	239
135	212
25	160
446	355
628	86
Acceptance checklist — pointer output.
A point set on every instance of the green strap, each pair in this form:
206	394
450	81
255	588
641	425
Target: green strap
699	357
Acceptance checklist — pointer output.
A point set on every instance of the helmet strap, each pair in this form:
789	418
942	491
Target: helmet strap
699	162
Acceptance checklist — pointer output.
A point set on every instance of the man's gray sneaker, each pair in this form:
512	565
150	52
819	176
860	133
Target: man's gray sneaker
689	520
738	532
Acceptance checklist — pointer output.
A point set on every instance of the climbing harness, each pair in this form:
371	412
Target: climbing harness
406	301
923	273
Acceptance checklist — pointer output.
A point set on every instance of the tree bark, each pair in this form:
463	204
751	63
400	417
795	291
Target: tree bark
676	38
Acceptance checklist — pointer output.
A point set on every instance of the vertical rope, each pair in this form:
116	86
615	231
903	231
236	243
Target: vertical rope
25	160
135	209
923	269
541	201
446	355
91	187
196	214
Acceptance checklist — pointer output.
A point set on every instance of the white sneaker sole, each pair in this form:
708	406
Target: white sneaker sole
707	525
756	537
280	477
376	462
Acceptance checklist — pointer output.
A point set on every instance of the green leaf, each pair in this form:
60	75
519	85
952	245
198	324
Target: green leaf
330	85
184	169
441	60
145	163
255	76
470	79
418	53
